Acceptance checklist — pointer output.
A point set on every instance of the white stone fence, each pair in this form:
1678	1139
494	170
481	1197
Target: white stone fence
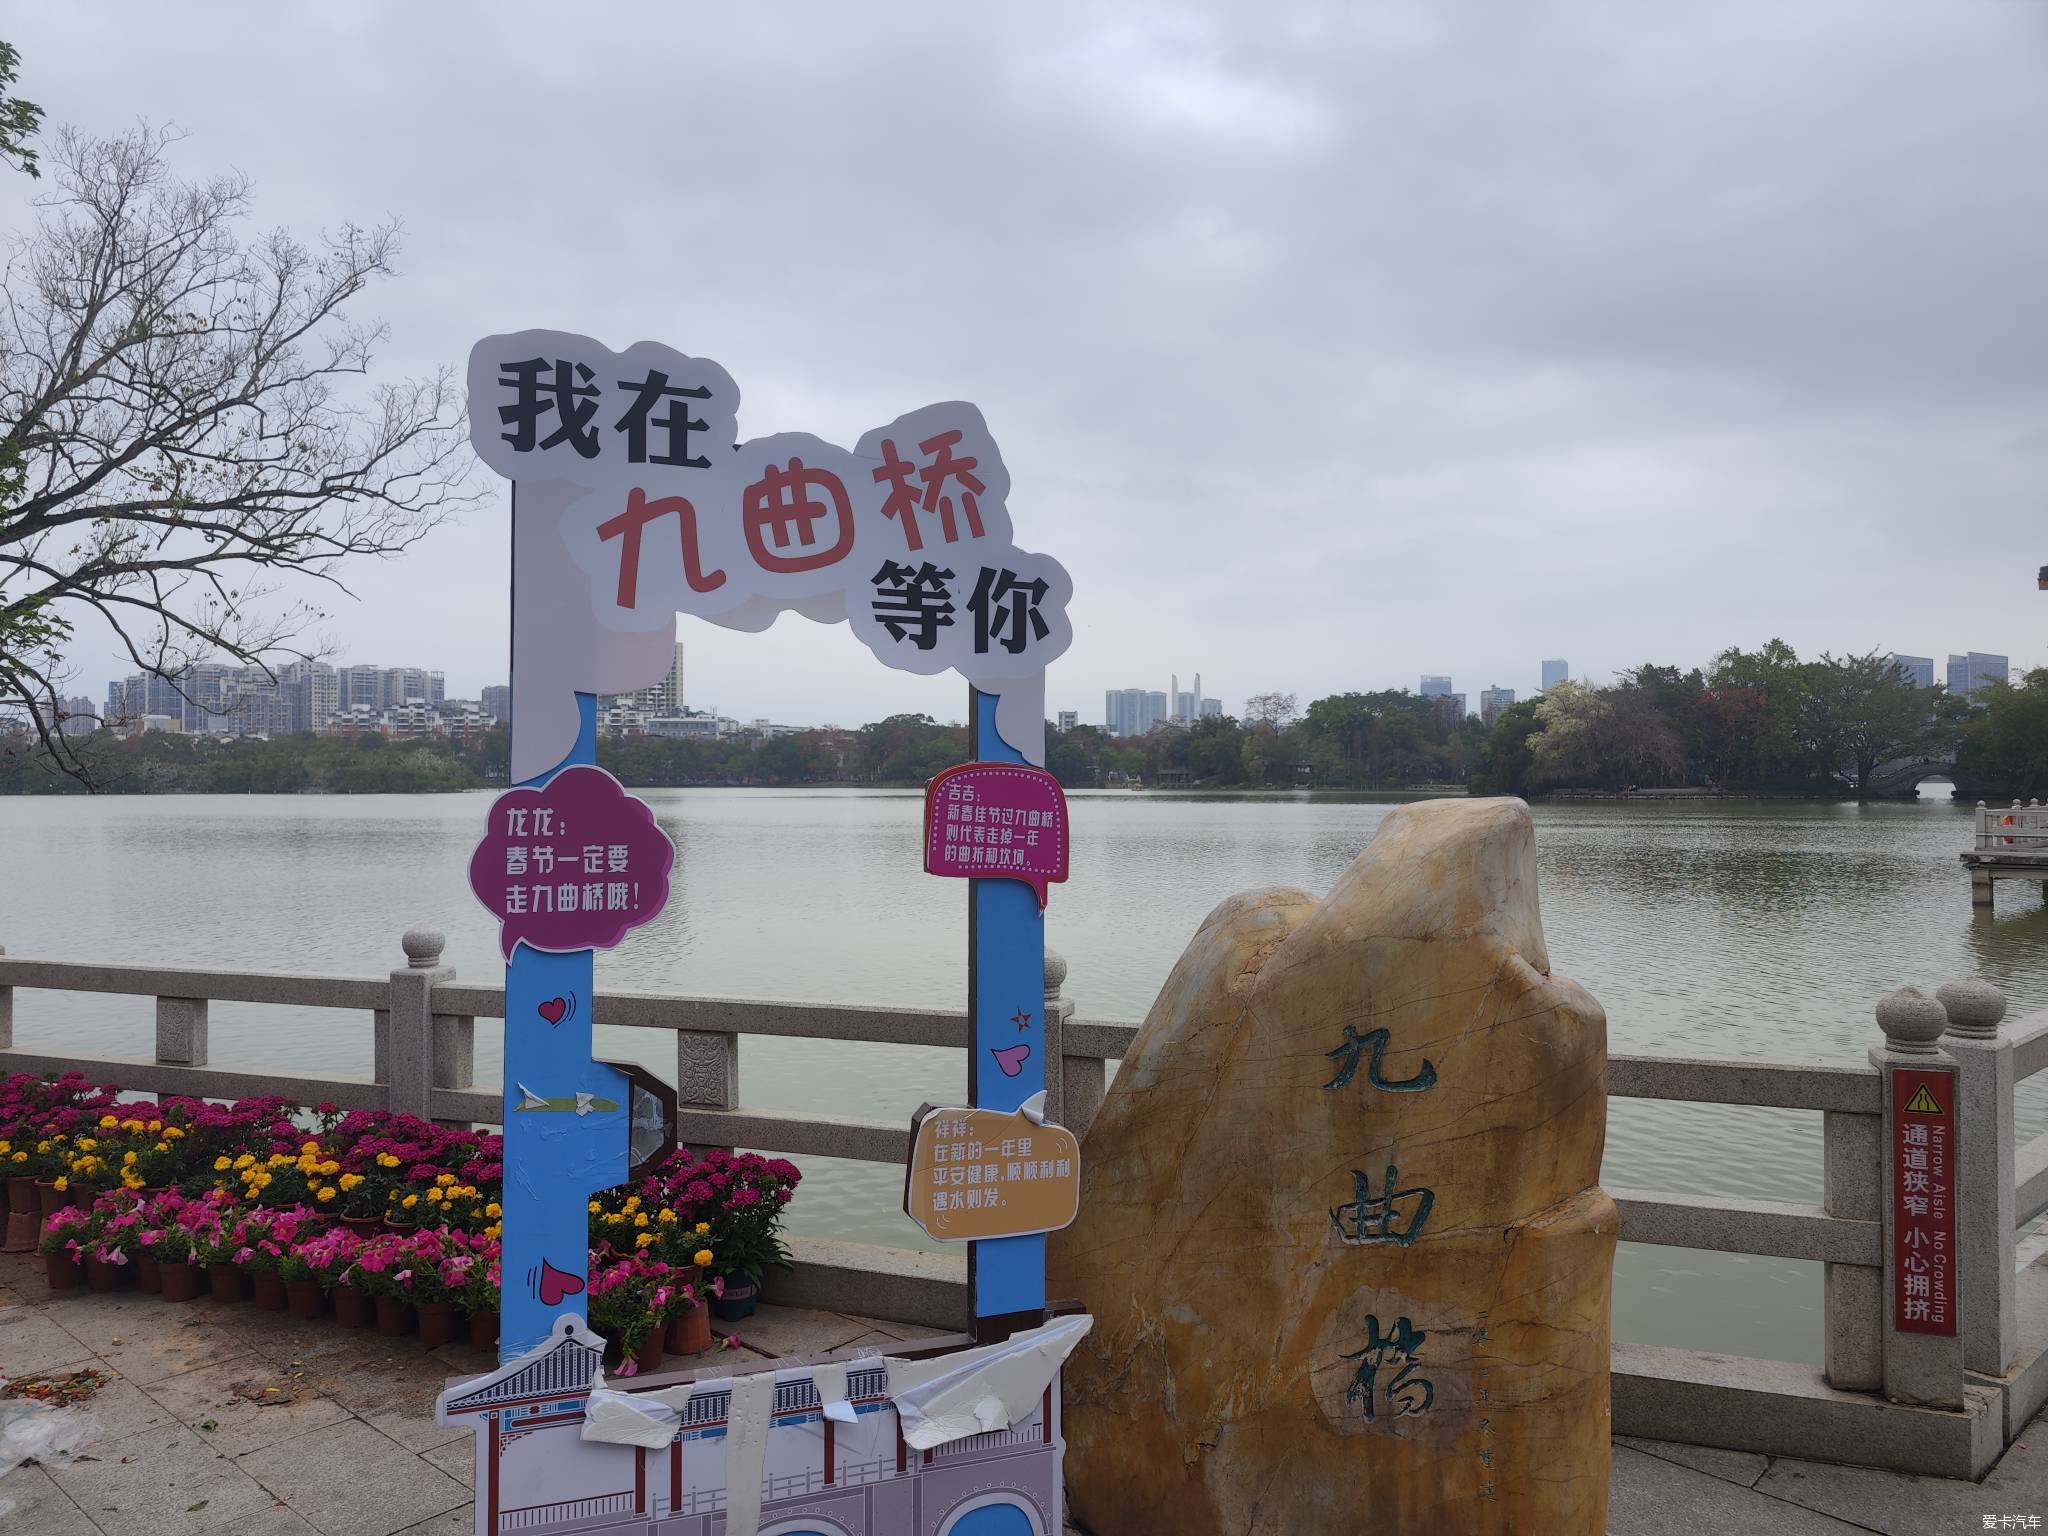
1911	1402
2015	829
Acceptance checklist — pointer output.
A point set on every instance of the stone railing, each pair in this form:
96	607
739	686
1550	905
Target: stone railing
1913	1402
2016	829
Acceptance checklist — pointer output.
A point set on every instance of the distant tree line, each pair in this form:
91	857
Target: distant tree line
1754	721
1764	720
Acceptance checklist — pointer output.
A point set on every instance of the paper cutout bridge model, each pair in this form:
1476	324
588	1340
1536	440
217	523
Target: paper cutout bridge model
633	501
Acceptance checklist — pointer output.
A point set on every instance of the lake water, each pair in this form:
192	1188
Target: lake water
1750	931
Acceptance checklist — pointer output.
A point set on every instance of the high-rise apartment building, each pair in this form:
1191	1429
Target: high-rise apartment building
1434	686
1492	701
1555	670
1132	711
659	701
1069	718
1919	670
497	702
1212	709
1968	673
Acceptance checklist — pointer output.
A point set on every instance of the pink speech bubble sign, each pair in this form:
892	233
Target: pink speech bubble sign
1000	821
574	864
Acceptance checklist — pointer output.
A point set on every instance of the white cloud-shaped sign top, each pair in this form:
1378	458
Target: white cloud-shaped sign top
906	537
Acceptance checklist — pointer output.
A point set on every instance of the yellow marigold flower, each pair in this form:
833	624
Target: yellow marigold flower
42	1146
22	1157
130	1181
703	1227
127	1159
632	1203
330	1167
87	1143
131	1125
444	1178
351	1180
245	1160
410	1201
61	1183
593	1207
108	1122
386	1160
616	1219
643	1239
4	1145
309	1146
640	1220
174	1133
493	1211
163	1146
433	1195
324	1193
493	1229
155	1125
701	1258
667	1218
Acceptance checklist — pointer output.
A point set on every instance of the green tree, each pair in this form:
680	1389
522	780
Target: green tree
1861	711
19	119
2005	743
1504	759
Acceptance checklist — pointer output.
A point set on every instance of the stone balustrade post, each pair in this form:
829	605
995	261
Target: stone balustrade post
1080	1077
405	1030
1853	1294
1984	1164
6	1013
181	1031
1920	1369
707	1073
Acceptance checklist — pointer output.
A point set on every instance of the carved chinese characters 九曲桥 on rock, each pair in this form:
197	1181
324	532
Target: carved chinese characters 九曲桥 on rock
1340	1217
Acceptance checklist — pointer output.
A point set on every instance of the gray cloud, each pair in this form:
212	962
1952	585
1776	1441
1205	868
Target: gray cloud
1324	351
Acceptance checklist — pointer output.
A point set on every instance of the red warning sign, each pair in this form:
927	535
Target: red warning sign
1925	1141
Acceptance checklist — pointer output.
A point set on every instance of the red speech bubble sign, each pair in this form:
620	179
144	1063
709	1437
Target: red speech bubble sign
574	864
996	821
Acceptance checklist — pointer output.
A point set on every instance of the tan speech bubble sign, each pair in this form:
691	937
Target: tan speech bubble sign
980	1173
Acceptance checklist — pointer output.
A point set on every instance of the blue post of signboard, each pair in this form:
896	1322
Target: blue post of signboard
1006	1003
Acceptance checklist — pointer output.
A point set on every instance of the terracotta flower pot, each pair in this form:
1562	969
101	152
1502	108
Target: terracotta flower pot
149	1274
49	1199
394	1316
689	1331
102	1276
303	1299
21	1194
61	1270
350	1309
437	1323
23	1228
364	1226
483	1329
180	1280
267	1286
228	1281
648	1356
401	1228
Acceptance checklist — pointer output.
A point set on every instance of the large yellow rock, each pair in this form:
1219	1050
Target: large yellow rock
1340	1226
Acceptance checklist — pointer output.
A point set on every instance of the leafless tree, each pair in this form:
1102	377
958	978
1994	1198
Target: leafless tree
189	423
1270	711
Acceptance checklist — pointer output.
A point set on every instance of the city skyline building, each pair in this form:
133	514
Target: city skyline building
1434	687
1132	711
1555	670
1972	670
1068	719
497	702
1919	670
1492	701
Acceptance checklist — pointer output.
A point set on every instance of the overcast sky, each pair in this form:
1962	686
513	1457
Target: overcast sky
1327	345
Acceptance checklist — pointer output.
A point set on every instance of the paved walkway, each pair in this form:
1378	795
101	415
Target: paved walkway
230	1418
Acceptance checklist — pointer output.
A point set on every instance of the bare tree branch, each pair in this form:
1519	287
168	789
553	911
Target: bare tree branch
187	410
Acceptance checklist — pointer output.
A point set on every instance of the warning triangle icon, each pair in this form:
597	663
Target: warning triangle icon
1922	1103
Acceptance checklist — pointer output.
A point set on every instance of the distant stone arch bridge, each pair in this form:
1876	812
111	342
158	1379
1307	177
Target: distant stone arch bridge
1902	776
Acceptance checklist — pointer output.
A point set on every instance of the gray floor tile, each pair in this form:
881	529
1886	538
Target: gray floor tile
791	1331
230	1399
1900	1505
1743	1467
164	1482
351	1481
30	1500
1650	1496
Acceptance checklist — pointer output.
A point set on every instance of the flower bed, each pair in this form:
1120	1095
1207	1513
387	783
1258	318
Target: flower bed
367	1213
